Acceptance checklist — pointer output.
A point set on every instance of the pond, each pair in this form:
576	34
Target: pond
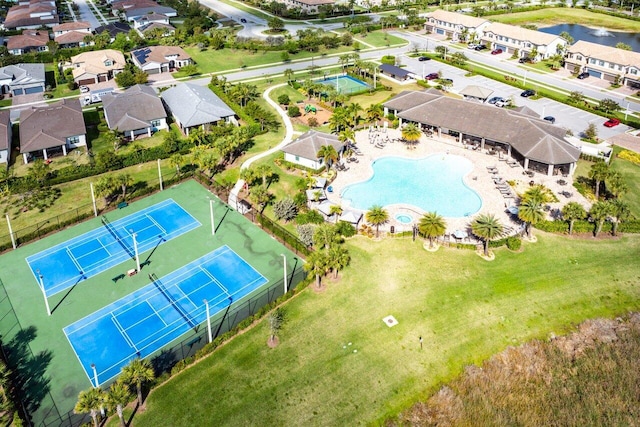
600	35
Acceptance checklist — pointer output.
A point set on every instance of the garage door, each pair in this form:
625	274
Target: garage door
33	90
595	73
499	46
18	91
86	82
102	78
439	31
609	77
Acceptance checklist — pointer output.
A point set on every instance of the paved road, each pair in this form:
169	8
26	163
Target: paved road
85	14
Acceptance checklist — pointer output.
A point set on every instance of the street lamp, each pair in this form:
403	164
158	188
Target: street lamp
95	375
213	225
626	111
206	306
44	293
284	266
135	250
524	83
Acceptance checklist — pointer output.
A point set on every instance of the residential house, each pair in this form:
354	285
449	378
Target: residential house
5	137
310	7
152	21
158	59
22	79
194	106
529	43
303	151
132	14
51	129
604	62
136	111
455	26
71	34
114	28
31	14
532	142
97	66
28	41
119	6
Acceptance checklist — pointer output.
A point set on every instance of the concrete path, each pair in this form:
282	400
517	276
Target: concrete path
85	14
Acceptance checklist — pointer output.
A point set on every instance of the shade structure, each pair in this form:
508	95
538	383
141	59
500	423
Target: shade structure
460	234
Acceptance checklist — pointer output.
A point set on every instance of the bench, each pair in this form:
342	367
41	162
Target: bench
122	205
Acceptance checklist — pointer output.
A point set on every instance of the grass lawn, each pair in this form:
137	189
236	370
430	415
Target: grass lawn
339	364
379	39
629	172
565	15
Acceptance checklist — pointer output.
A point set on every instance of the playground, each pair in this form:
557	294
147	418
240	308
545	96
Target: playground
311	108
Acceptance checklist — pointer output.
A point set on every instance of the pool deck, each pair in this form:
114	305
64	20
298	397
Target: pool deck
479	179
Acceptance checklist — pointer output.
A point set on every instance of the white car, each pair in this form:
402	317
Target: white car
84	89
503	103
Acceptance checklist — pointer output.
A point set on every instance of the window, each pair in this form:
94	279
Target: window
72	140
579	57
592	61
156	123
108	63
601	63
633	71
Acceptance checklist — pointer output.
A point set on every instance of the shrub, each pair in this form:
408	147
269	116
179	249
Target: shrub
345	229
311	217
388	59
284	99
293	111
312	122
285	209
514	243
305	233
630	155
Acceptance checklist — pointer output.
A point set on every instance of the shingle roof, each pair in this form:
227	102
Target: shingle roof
392	69
20	16
195	105
93	62
308	144
530	136
476	92
157	54
153	16
28	38
408	99
114	28
606	53
139	11
5	123
50	126
72	26
152	26
519	33
456	18
71	37
133	109
23	74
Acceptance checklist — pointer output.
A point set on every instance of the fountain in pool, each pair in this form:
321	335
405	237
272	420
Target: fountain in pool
602	32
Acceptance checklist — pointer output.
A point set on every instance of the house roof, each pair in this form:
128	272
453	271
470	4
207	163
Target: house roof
114	28
325	207
350	216
526	111
5	123
195	105
152	26
145	10
23	74
530	136
158	55
308	144
72	26
71	37
520	33
20	16
50	126
94	62
132	109
316	2
476	92
153	16
28	38
456	18
392	69
606	53
132	4
409	98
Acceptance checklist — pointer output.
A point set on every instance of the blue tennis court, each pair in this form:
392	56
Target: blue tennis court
153	316
89	254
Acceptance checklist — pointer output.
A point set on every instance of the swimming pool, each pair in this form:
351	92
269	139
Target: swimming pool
344	84
433	183
404	218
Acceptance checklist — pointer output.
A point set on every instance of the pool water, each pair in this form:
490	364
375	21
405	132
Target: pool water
433	184
344	84
404	219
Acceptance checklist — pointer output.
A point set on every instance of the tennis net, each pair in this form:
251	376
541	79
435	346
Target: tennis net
113	232
171	300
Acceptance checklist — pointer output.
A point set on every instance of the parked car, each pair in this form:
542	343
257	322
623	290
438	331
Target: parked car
480	47
496	51
84	89
611	123
244	21
527	93
495	99
424	58
550	119
432	76
525	60
583	76
472	46
503	103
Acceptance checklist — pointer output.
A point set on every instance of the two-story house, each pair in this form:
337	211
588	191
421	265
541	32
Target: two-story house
97	66
31	14
158	59
71	34
604	62
529	43
455	26
28	41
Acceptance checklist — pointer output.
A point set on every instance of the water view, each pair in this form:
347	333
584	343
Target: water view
601	35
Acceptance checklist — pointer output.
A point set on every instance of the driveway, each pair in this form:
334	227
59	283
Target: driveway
85	14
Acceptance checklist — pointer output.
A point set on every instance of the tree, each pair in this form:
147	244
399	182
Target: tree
487	227
124	180
576	97
620	212
90	401
377	216
337	258
458	58
285	209
284	99
623	46
375	113
432	225
288	74
324	236
411	132
531	213
599	213
569	39
137	373
316	265
599	172
591	132
276	319
275	24
608	105
573	211
105	187
39	171
177	161
335	211
266	173
125	79
118	397
616	184
328	154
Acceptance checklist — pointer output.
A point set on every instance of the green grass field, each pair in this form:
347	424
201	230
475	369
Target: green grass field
565	15
465	308
66	376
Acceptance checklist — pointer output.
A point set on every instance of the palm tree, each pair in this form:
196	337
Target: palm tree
339	120
599	213
338	258
324	236
619	212
573	211
138	372
328	154
177	161
375	112
432	225
119	396
538	193
90	401
487	227
124	180
335	211
531	213
598	173
377	216
616	185
288	74
265	172
411	132
354	110
316	265
346	135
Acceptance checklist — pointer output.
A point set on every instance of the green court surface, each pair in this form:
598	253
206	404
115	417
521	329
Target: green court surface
55	364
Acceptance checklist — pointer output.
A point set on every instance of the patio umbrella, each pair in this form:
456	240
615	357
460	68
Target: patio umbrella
460	234
513	210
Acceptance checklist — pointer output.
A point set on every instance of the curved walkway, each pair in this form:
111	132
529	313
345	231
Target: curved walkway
288	136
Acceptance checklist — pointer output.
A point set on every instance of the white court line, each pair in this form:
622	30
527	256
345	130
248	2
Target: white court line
74	260
156	224
156	312
215	280
123	333
104	247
